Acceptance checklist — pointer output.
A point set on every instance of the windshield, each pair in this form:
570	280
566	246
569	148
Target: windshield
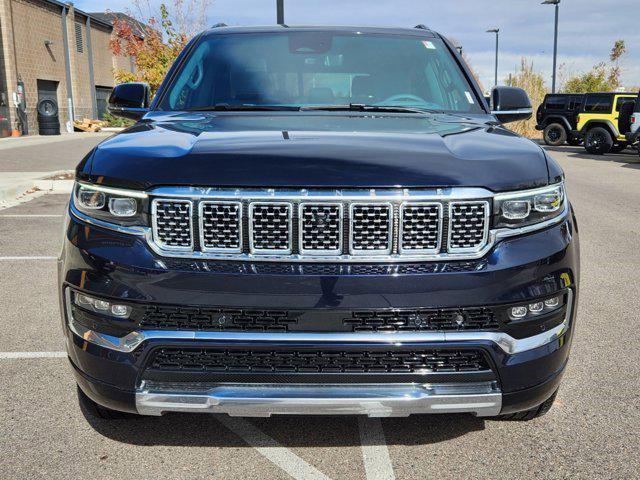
315	69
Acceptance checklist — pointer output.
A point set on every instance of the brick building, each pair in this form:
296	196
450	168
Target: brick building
56	51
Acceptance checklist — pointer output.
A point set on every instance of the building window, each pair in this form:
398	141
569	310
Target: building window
79	43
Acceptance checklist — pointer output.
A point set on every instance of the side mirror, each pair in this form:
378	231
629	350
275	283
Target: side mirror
130	100
510	104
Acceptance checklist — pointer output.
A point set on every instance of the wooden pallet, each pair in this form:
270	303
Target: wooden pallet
88	125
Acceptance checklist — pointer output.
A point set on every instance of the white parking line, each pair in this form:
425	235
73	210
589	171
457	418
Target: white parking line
20	355
31	216
13	259
377	463
272	450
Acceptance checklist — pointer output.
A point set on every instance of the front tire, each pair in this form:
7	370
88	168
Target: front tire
532	413
598	141
99	411
554	135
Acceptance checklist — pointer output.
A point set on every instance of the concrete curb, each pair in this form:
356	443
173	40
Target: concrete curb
19	191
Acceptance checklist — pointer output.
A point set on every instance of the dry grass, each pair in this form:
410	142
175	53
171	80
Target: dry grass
533	83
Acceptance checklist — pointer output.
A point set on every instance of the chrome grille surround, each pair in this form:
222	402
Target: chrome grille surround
270	227
371	228
315	216
220	225
167	214
427	241
468	226
345	197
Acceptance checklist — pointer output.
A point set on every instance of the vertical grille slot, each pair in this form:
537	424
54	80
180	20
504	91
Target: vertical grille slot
320	228
173	224
468	226
221	226
371	228
420	227
270	227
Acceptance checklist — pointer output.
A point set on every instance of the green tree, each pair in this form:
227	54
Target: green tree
603	77
164	35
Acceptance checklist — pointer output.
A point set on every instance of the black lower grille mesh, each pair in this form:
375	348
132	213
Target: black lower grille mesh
317	361
424	319
199	318
169	317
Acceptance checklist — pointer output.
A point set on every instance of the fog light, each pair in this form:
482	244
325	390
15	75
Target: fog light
536	308
120	310
552	302
100	306
518	312
123	207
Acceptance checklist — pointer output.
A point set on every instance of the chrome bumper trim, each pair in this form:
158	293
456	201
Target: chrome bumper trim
507	343
375	400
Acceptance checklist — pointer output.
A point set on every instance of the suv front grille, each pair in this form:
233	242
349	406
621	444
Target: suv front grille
468	225
270	227
326	360
421	225
220	226
299	226
320	228
173	223
371	228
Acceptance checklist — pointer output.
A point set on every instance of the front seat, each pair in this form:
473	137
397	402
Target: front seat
362	90
321	95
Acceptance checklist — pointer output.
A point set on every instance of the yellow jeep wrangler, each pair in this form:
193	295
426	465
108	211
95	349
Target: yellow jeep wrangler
599	122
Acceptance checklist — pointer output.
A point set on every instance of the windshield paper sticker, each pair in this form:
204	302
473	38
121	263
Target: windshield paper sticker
469	98
429	45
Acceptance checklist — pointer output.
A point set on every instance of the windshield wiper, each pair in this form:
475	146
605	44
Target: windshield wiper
241	107
361	107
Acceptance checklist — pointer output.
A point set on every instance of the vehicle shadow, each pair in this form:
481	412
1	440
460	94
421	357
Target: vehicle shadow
204	430
629	158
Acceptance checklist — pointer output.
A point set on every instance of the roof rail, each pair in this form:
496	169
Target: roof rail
422	26
219	25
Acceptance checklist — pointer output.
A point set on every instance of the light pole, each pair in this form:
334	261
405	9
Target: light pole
497	32
280	11
555	41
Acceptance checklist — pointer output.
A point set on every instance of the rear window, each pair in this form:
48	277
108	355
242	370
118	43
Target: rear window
598	104
622	101
556	103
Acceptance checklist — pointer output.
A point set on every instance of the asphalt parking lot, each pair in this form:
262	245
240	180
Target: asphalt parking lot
591	432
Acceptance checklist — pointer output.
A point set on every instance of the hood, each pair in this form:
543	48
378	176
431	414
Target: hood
317	149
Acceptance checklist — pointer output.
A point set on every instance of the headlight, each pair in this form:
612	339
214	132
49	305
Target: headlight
123	207
530	207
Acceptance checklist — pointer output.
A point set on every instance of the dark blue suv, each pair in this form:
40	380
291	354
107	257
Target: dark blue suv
319	221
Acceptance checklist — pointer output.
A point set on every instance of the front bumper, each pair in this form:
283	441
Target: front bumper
525	371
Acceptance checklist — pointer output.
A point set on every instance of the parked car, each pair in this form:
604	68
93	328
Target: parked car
556	118
319	220
633	131
598	122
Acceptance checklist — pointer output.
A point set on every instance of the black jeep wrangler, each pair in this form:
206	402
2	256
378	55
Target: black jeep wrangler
556	117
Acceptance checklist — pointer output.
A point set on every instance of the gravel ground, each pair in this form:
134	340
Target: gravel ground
591	432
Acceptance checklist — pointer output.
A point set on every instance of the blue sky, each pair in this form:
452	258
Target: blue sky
588	28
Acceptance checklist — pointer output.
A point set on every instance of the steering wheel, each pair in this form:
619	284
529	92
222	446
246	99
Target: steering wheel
403	98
